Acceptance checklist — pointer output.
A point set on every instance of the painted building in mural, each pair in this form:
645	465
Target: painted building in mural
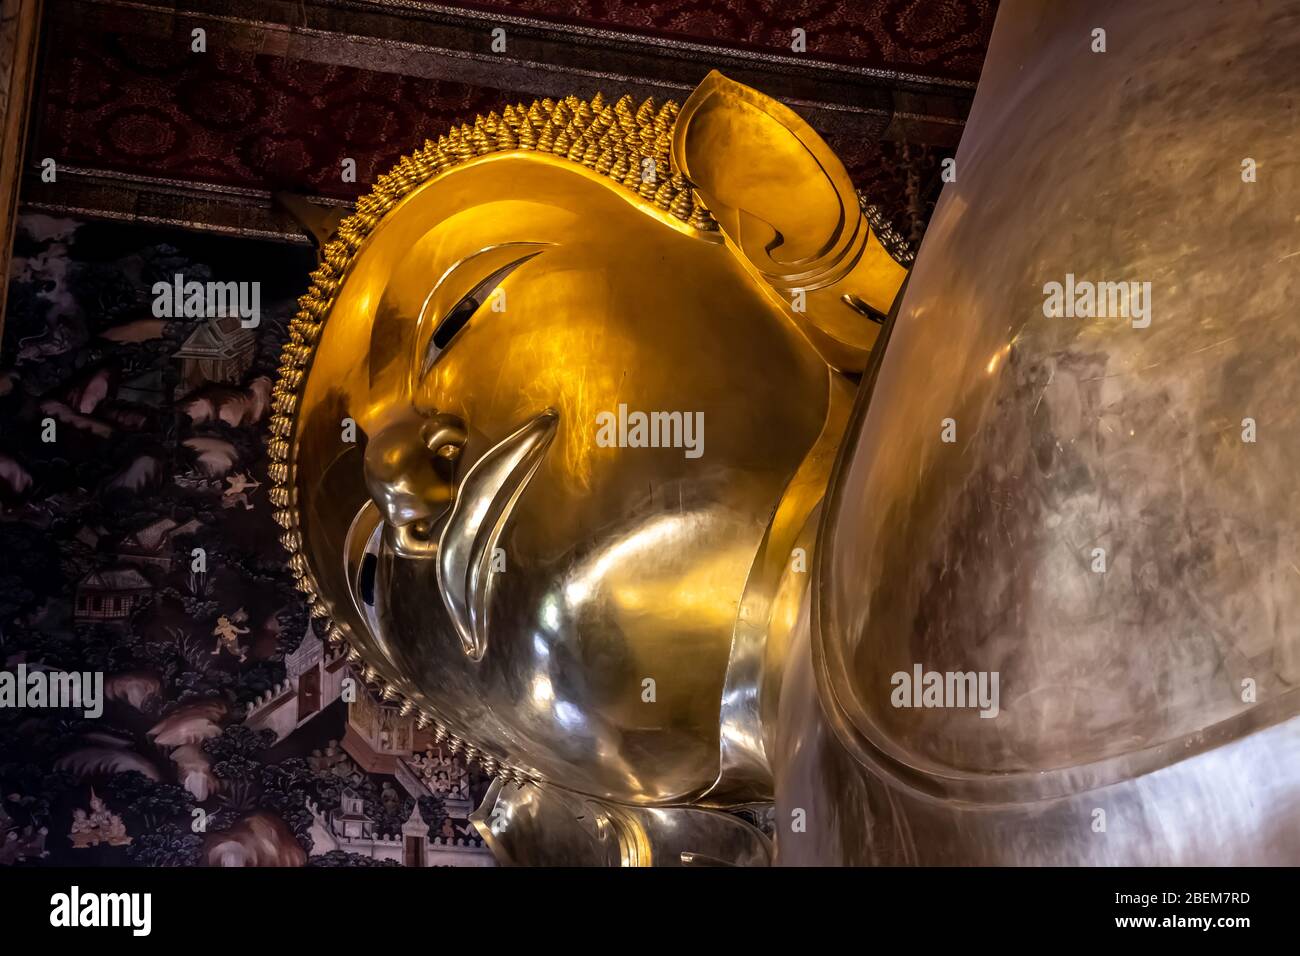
349	828
313	681
218	350
111	595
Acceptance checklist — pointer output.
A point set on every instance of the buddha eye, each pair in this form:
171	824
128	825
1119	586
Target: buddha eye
458	316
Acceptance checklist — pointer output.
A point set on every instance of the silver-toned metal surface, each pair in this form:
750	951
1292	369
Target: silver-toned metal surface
1233	804
1099	507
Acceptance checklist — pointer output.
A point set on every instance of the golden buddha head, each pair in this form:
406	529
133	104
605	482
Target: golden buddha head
562	396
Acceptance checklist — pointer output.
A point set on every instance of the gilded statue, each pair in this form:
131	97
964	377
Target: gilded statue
589	447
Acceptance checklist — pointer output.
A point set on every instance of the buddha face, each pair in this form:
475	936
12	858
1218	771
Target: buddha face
575	416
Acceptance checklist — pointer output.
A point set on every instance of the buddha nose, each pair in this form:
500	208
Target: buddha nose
410	472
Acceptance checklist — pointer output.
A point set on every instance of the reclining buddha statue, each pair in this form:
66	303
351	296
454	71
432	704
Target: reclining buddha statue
589	446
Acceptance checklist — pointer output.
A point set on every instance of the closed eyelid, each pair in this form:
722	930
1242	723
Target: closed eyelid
458	316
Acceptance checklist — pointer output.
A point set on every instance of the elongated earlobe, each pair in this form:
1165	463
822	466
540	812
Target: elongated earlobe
788	209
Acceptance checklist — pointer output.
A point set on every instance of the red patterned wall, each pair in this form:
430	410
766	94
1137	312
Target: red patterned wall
128	103
938	37
125	102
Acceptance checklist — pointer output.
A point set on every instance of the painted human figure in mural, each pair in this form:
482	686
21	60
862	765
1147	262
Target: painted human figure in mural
227	634
240	486
99	825
82	834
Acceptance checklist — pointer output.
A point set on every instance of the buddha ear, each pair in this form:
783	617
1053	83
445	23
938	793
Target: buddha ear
773	185
788	208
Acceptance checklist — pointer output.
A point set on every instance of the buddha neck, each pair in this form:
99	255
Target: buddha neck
769	607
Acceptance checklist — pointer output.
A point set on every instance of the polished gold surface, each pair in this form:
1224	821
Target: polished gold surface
546	826
605	617
1113	528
